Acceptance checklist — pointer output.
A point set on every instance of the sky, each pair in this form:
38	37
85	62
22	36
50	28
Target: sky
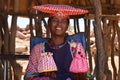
22	22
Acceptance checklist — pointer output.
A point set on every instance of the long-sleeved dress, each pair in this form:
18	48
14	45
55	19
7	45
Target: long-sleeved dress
62	56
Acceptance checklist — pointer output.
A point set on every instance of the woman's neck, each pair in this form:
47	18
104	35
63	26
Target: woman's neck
57	40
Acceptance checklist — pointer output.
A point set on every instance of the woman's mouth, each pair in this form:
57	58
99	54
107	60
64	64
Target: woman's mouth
58	28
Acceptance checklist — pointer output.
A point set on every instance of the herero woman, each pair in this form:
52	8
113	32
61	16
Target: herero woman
58	23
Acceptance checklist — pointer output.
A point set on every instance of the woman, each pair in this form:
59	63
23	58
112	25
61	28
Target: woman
58	24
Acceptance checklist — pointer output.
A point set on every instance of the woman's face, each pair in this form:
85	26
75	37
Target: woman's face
58	26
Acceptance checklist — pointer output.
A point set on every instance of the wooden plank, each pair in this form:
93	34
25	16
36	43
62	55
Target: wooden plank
109	17
13	34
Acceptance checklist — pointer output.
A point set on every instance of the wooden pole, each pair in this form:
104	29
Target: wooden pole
100	56
1	43
112	50
31	27
107	41
47	27
75	25
87	31
118	33
13	35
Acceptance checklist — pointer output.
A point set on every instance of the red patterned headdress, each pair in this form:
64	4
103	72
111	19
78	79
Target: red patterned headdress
60	10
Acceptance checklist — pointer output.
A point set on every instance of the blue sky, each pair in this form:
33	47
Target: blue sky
22	22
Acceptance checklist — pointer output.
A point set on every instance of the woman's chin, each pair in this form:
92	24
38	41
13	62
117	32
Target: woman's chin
59	35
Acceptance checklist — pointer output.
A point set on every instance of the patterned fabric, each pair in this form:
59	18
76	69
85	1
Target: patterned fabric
79	63
31	71
46	62
33	62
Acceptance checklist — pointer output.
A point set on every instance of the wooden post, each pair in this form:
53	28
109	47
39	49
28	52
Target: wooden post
47	27
31	27
87	32
118	33
6	43
38	27
13	34
5	34
100	56
75	26
0	35
107	41
12	48
1	63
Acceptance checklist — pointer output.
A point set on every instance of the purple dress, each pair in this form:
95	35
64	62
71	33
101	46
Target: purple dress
63	58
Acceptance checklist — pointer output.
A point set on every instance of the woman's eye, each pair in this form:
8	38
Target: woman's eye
54	20
57	21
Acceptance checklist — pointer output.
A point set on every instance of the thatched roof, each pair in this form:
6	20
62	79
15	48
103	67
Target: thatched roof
24	7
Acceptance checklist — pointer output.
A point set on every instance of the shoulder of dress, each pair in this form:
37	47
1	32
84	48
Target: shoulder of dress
38	48
39	45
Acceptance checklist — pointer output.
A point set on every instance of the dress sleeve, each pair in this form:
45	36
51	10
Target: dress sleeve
31	70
